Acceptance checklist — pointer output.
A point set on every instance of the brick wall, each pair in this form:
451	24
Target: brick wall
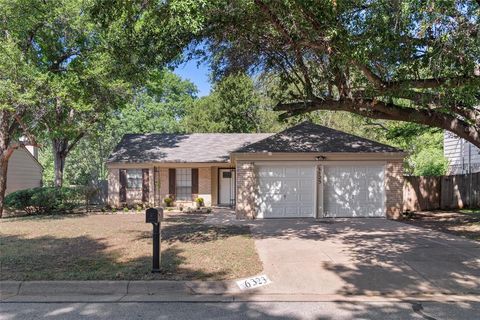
205	185
394	189
214	185
113	187
162	185
245	176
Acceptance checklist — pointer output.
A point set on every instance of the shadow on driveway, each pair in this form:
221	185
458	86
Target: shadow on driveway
365	256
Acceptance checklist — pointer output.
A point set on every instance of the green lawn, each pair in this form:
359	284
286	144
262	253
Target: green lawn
118	247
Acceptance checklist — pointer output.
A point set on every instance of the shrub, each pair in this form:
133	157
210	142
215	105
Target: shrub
199	201
44	200
430	162
168	201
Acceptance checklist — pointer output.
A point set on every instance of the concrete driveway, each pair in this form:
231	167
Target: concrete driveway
364	256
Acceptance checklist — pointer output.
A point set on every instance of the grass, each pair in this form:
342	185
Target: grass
119	247
464	222
475	211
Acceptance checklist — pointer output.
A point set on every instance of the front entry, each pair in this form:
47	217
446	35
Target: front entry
226	186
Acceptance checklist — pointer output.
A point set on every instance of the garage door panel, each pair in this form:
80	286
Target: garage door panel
285	191
305	197
354	191
272	172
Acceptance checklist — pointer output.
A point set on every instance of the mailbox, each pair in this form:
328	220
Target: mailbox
153	215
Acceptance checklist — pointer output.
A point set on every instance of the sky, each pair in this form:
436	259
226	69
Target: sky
199	75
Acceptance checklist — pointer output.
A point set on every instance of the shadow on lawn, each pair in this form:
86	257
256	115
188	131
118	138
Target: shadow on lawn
85	258
194	232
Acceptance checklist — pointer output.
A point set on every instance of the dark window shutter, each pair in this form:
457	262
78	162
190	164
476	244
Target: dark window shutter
195	181
145	185
123	185
171	182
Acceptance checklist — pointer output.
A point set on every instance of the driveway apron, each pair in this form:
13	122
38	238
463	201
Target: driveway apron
364	256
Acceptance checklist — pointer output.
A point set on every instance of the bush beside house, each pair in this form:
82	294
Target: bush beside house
45	200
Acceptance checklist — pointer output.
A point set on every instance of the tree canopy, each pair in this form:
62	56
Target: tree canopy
414	61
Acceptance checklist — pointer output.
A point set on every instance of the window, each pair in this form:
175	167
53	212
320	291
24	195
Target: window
227	174
134	178
183	184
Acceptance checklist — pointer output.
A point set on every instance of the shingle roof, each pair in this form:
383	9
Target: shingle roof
197	147
309	137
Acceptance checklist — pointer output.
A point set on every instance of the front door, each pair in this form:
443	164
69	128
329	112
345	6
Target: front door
226	185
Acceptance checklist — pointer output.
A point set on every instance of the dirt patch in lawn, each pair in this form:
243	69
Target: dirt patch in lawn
118	247
465	223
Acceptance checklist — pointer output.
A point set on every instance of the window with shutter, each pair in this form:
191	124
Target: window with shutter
183	184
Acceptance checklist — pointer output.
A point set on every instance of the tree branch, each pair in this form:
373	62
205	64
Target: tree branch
31	139
434	82
370	75
74	142
388	111
414	83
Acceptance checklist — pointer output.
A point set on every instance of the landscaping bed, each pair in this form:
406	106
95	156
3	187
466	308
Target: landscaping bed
465	223
119	247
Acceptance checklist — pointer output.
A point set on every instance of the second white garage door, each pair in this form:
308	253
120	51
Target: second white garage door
285	191
354	191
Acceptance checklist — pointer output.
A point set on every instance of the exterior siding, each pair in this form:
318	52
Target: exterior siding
205	185
23	171
214	185
246	188
162	186
113	187
394	189
461	154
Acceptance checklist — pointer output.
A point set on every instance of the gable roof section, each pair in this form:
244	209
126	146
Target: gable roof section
309	137
196	147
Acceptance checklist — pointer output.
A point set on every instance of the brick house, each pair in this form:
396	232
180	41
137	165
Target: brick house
305	171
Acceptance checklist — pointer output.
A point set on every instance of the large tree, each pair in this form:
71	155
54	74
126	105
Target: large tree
18	83
410	60
234	105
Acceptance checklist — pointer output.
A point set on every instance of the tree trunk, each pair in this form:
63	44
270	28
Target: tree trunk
6	120
60	150
3	179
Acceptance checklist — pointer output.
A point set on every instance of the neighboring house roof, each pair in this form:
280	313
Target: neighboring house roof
309	137
196	147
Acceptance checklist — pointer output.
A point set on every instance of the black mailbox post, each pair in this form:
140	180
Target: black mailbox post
155	216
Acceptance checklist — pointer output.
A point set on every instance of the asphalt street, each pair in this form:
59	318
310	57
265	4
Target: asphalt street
242	310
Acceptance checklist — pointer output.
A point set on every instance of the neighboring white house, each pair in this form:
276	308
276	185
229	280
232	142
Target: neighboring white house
24	170
463	157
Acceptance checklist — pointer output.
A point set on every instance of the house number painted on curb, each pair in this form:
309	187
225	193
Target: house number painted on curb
253	282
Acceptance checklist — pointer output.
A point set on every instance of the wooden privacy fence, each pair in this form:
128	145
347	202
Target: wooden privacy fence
446	192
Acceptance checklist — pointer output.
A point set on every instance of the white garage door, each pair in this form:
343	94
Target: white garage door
354	191
285	191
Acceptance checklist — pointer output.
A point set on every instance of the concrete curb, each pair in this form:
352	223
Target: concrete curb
60	288
183	291
8	288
